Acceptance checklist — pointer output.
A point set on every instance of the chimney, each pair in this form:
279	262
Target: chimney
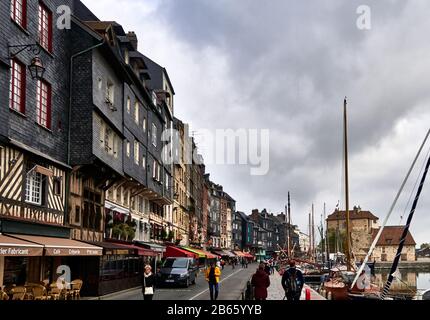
131	36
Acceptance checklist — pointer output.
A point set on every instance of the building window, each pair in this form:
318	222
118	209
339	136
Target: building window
154	135
45	27
17	86
141	204
57	186
110	93
77	214
144	162
108	140
167	181
154	98
33	191
136	112
128	149
144	124
136	152
126	56
43	99
128	105
18	12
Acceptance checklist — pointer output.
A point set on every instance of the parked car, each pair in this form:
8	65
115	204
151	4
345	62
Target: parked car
178	271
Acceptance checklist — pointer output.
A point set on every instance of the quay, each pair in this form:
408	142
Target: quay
276	292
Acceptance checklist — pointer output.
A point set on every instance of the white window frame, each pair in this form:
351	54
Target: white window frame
154	135
128	148
128	105
136	152
144	124
144	162
136	112
33	188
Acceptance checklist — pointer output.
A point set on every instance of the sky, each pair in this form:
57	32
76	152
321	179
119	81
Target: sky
286	66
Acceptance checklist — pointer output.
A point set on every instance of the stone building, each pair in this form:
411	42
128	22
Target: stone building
388	243
362	225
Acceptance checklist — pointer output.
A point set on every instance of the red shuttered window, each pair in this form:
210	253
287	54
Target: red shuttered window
17	86
18	12
43	104
45	27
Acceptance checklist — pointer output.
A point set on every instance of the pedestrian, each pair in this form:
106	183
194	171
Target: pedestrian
233	263
148	283
222	264
292	282
260	281
246	263
267	268
213	274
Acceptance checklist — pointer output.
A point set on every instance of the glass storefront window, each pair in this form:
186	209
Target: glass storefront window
15	271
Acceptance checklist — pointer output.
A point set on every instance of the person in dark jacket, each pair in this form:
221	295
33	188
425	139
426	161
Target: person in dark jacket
148	283
267	268
260	281
292	282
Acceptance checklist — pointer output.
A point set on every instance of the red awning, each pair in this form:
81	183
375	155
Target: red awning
178	252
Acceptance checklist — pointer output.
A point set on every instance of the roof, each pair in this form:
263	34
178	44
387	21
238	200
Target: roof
391	236
353	214
157	72
243	215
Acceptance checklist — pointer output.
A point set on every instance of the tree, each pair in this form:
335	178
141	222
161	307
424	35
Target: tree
425	245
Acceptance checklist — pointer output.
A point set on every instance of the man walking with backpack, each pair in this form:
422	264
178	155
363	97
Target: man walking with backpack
292	282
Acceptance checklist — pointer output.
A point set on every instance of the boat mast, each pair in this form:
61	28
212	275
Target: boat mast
289	225
405	233
313	234
310	237
348	235
326	236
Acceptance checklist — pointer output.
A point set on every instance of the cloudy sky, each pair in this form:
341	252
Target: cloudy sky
286	66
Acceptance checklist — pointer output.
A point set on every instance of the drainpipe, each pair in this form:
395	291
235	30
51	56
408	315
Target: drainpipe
68	174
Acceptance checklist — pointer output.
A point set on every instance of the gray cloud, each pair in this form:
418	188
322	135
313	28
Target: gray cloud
286	66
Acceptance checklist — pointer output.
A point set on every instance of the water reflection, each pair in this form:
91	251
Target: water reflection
409	281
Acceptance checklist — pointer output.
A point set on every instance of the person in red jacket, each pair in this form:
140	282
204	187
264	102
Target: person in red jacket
260	281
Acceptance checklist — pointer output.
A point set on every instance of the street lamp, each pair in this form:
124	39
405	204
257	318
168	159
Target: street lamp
36	68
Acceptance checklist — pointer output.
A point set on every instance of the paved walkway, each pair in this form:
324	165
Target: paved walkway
276	292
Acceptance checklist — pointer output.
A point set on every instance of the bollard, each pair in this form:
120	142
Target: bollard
308	293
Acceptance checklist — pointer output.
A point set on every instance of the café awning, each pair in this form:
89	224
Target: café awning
201	253
61	246
239	254
178	252
13	247
114	248
224	253
152	246
248	255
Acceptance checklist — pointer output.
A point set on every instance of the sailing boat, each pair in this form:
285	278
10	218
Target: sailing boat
340	282
383	295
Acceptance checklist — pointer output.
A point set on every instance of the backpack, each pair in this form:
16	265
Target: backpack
292	281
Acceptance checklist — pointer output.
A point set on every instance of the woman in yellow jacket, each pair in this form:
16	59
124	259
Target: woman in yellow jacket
213	274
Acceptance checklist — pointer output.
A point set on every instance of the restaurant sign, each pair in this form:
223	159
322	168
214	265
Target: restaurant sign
21	251
73	252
